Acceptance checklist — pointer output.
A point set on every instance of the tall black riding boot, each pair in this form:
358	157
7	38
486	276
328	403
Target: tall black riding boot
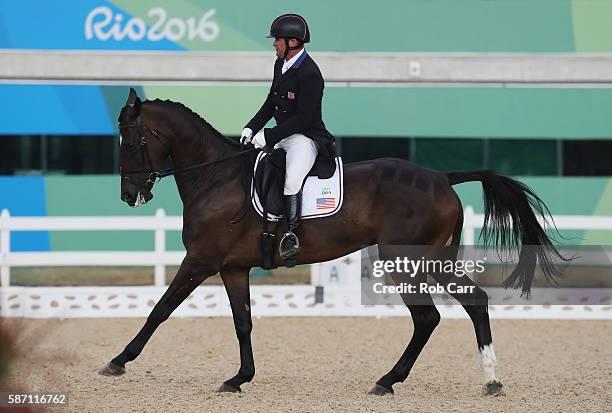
289	246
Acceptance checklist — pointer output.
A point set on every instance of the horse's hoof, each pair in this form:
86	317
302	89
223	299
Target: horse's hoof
226	388
379	390
112	370
493	388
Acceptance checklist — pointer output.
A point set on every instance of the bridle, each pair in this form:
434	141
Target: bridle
156	175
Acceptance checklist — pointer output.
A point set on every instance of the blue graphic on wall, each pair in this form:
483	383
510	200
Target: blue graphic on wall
54	110
83	24
25	196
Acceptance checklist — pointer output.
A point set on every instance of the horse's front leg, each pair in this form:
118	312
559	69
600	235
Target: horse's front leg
190	274
237	286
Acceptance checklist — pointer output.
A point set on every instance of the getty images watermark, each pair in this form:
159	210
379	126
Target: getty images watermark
421	275
414	269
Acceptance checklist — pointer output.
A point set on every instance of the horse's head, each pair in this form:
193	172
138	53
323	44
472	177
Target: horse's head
142	153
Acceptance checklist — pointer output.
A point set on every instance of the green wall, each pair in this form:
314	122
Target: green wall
485	112
99	196
407	25
389	25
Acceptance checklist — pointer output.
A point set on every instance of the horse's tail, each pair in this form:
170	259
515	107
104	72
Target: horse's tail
510	223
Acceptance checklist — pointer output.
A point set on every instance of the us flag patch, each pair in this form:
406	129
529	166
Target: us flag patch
326	203
290	95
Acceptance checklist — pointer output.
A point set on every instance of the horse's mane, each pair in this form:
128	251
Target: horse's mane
247	162
195	115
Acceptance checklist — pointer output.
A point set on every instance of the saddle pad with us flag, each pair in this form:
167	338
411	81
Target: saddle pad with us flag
320	197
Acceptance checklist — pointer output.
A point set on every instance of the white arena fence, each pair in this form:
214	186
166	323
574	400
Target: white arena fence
267	300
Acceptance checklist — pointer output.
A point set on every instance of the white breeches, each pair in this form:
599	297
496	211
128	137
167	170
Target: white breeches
301	155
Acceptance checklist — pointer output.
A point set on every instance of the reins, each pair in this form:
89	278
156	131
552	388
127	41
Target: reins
170	171
157	175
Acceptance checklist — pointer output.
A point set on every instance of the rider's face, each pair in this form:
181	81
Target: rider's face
280	46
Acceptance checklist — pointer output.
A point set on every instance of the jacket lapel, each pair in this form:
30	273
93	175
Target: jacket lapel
278	67
289	74
279	78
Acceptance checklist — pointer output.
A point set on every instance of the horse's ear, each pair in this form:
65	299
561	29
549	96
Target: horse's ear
133	103
132	98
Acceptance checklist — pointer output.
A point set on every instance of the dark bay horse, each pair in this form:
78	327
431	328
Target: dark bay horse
386	201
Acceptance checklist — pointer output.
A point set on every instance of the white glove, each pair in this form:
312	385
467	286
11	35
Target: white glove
245	138
259	140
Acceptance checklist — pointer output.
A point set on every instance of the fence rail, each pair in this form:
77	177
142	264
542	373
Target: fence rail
159	258
473	221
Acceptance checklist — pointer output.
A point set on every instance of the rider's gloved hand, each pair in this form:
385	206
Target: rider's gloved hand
246	136
259	140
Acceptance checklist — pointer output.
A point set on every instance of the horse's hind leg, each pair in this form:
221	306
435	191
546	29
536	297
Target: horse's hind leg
475	302
190	274
429	228
425	318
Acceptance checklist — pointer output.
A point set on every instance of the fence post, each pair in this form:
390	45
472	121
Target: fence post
5	248
160	248
314	273
469	224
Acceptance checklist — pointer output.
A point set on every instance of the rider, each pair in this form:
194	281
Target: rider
295	102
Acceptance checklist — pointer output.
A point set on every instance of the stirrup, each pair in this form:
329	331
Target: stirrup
293	250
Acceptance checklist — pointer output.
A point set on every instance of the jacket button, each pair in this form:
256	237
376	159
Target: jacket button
275	93
275	107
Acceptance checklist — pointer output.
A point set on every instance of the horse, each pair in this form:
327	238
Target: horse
386	201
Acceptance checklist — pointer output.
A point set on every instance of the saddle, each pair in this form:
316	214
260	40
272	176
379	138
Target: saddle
270	180
321	197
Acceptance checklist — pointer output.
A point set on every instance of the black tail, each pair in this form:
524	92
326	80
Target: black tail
510	223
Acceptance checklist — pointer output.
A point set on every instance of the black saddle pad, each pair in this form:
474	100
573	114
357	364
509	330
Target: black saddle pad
270	181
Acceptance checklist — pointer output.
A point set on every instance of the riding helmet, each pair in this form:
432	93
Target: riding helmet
290	26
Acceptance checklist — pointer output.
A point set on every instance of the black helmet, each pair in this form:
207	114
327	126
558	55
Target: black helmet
290	26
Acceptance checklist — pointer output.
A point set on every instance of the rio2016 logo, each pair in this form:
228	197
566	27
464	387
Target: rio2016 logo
101	23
